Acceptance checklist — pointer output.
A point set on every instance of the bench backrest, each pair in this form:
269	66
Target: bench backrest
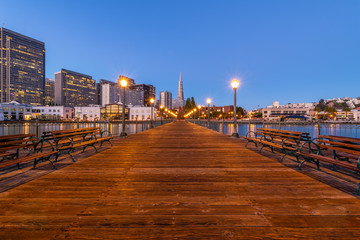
303	136
52	135
340	144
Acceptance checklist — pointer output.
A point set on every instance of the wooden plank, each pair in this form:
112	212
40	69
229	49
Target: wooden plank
178	181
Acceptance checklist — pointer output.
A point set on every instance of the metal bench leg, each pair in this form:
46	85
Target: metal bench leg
72	158
35	162
282	158
357	189
94	147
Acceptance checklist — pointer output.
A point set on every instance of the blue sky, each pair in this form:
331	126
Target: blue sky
287	51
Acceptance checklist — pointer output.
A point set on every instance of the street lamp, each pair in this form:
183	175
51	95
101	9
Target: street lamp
208	102
235	84
161	108
123	84
199	111
152	100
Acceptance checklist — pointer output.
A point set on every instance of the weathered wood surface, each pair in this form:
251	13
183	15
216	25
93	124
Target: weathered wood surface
178	181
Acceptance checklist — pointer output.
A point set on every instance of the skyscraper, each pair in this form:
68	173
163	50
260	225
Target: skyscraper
22	68
49	93
180	102
166	99
74	89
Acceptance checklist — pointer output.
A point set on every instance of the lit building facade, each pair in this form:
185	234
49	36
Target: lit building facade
49	94
142	94
74	89
277	112
90	113
15	111
52	112
166	99
140	113
22	68
113	112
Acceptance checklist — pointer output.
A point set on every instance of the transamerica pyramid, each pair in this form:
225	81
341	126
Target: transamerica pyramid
180	102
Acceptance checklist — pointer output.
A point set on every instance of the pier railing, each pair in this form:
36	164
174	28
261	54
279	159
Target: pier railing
114	127
314	128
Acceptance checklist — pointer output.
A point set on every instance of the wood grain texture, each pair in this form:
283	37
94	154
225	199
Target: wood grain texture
178	181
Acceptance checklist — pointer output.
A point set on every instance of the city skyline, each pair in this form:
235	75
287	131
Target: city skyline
304	50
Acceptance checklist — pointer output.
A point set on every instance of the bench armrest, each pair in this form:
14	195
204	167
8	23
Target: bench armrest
311	146
296	143
44	142
57	140
106	131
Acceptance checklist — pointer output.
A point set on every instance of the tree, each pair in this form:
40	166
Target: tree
240	111
346	110
330	110
187	106
320	106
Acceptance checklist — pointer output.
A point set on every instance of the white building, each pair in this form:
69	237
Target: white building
90	113
52	112
15	111
292	110
356	115
141	113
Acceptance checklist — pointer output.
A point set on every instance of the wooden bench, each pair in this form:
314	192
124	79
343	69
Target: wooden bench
288	142
12	140
341	152
67	141
11	145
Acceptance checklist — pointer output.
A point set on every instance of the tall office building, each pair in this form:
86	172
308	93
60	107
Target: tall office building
49	93
129	80
147	90
74	89
166	99
22	68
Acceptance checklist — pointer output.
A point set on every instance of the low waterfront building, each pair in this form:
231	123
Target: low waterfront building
90	113
15	111
356	115
141	113
278	112
113	112
52	112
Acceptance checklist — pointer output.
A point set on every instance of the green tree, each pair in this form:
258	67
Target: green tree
187	106
320	106
330	110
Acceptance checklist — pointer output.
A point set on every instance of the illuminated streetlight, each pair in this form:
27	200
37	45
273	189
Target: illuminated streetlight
152	100
161	108
123	84
208	102
199	111
235	84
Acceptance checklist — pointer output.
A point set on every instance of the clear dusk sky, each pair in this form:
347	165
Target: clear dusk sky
287	51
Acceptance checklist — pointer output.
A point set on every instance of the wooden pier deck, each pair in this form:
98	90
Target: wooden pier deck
178	181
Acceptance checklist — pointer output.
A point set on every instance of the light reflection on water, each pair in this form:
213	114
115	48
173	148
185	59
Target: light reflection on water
31	128
338	129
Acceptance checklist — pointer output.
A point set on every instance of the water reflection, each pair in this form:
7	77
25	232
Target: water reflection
338	129
38	129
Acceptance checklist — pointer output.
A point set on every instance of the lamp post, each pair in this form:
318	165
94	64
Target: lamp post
123	84
152	100
235	84
199	111
194	113
161	108
208	102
